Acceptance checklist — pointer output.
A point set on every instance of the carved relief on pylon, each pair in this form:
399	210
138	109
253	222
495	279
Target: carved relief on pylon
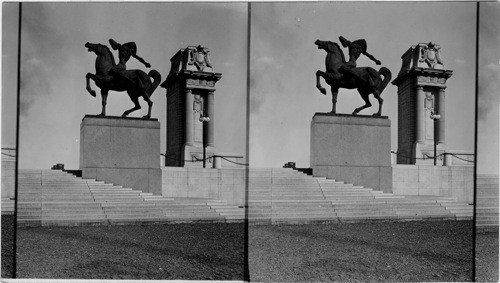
199	57
429	101
431	55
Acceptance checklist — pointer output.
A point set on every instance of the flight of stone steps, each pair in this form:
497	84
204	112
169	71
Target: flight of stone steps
287	196
7	206
487	187
51	197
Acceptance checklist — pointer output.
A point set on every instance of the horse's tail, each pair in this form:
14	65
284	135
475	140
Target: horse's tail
156	81
387	78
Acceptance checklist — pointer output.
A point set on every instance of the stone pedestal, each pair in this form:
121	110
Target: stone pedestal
122	151
352	149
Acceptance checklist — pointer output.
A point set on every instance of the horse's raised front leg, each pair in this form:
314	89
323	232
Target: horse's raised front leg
89	89
335	92
104	95
318	83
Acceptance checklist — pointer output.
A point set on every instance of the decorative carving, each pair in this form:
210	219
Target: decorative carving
199	58
431	80
202	83
198	104
429	101
431	55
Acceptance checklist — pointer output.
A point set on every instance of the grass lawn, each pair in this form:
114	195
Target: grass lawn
378	252
487	256
7	245
178	251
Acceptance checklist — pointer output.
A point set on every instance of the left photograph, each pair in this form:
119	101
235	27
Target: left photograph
131	140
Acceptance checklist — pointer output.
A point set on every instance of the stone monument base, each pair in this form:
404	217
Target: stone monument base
353	149
122	151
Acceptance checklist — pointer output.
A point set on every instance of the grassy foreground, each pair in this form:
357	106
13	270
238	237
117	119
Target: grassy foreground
378	252
179	251
7	245
487	256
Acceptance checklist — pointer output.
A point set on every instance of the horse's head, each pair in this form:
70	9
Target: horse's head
328	46
104	60
335	57
97	48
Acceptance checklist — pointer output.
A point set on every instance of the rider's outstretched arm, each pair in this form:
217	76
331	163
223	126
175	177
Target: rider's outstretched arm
142	61
372	58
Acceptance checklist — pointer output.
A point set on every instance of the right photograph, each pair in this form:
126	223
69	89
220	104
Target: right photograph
362	142
487	144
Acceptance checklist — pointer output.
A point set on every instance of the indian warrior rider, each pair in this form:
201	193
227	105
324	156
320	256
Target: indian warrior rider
356	48
125	51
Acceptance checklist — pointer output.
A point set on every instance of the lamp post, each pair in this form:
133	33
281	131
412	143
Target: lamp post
204	119
435	117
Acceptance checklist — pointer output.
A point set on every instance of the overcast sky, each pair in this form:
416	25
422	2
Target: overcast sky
284	59
55	61
488	89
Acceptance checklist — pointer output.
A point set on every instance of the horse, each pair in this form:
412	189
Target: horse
337	78
135	82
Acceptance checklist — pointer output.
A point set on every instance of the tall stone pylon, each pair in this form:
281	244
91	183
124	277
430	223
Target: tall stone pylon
421	86
190	89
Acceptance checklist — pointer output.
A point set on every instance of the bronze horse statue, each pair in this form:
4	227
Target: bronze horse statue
136	83
367	80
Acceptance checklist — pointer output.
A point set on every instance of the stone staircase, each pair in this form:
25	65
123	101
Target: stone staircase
51	197
287	196
7	206
487	187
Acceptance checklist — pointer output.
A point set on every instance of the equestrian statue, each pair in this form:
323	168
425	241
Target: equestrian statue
116	77
342	74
